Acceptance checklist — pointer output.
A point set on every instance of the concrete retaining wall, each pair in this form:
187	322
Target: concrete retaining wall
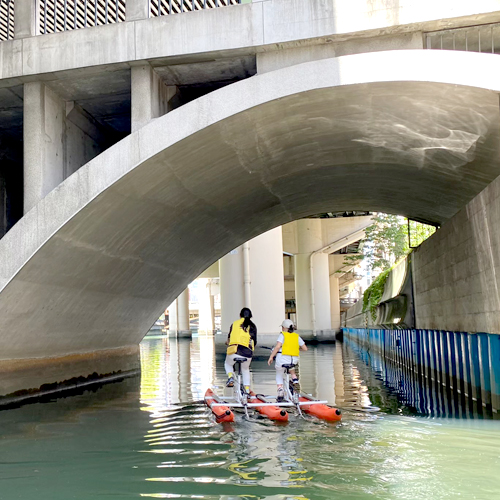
457	270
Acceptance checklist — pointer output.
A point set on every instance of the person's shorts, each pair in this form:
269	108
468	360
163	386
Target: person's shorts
281	360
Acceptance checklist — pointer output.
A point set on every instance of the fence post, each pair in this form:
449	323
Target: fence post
26	18
137	9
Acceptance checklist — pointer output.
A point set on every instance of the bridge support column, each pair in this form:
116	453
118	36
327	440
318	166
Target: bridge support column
150	96
59	137
206	307
265	281
232	295
311	317
335	302
172	319
184	328
43	142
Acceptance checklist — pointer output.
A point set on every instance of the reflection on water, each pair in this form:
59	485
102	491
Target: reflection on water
153	438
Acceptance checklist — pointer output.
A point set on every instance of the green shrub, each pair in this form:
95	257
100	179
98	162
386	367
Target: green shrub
373	294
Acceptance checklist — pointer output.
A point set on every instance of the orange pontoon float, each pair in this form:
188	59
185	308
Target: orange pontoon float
272	412
319	410
222	412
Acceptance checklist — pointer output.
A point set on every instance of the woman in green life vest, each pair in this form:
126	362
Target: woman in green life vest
241	342
288	347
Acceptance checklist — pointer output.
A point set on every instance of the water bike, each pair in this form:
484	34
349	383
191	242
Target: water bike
222	406
268	405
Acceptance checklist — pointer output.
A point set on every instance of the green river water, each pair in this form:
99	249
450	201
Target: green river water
151	437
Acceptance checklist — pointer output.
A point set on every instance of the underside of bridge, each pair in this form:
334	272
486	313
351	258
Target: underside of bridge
129	230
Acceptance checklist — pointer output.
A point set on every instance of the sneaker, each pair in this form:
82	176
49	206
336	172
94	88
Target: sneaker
281	395
230	382
296	385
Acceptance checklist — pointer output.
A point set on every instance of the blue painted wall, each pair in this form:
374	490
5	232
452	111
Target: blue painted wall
436	372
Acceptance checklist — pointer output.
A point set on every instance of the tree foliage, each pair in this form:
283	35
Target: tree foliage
387	239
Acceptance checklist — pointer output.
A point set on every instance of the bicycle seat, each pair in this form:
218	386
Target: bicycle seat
239	360
289	366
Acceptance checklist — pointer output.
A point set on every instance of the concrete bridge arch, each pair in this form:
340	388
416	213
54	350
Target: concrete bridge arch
95	261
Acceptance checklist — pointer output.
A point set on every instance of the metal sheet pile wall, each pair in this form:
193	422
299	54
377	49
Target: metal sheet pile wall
436	372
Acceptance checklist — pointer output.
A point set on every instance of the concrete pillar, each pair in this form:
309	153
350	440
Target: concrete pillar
309	240
335	302
172	317
206	306
231	288
43	125
212	305
267	286
136	10
150	96
267	291
26	15
184	328
59	137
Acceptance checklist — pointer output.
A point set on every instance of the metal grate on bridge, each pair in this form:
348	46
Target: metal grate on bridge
6	20
485	38
65	15
167	7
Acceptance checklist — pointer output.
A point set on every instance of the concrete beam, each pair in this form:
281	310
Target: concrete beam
239	30
211	272
340	264
271	60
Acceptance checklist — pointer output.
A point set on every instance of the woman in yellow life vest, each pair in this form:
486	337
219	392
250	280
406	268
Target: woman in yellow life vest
287	351
241	342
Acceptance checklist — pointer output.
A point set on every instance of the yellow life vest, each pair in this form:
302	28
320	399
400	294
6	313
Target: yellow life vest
290	346
239	337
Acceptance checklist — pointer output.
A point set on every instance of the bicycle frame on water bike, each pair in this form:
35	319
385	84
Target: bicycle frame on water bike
240	395
240	398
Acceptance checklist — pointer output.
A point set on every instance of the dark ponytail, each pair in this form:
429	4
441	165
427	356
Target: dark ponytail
291	329
247	314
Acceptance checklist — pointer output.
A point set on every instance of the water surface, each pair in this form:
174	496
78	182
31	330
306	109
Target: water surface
151	437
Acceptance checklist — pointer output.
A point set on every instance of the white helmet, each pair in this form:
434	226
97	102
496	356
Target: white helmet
287	324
